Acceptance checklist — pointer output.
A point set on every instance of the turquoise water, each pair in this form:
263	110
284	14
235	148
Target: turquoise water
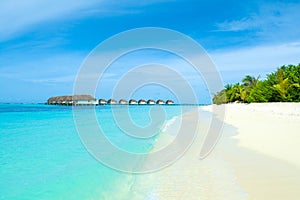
42	156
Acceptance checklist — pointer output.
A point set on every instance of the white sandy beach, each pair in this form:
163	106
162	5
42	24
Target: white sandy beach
257	157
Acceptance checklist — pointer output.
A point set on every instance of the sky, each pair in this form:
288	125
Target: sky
43	44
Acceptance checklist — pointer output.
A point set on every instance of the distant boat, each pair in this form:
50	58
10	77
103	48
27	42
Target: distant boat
142	102
132	102
160	101
169	102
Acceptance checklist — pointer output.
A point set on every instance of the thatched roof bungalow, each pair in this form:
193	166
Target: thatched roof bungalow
132	102
169	102
160	101
102	102
150	101
112	101
73	100
142	102
123	101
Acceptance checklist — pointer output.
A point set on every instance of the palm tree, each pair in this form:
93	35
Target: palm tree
228	92
243	93
250	81
283	85
233	92
228	87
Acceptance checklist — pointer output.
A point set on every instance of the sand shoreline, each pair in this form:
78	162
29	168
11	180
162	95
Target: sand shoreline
256	158
268	163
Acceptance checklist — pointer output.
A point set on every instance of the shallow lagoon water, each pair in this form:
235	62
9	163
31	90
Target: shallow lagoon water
42	156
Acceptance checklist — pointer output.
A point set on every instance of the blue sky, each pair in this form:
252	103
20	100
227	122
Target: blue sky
43	43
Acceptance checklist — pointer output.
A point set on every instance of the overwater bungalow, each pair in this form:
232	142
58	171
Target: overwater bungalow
142	102
150	101
169	102
123	101
132	102
102	102
160	101
89	100
84	100
73	100
111	101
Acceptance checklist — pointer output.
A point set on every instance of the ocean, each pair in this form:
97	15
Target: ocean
42	156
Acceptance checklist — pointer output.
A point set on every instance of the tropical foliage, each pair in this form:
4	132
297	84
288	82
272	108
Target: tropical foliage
283	85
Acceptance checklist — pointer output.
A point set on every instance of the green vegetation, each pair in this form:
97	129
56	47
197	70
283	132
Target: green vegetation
283	85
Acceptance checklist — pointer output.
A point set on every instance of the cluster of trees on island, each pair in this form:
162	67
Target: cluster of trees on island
283	85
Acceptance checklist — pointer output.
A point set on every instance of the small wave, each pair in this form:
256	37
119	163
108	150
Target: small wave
169	123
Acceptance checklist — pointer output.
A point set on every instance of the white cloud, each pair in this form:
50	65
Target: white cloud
16	16
246	23
19	16
271	19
